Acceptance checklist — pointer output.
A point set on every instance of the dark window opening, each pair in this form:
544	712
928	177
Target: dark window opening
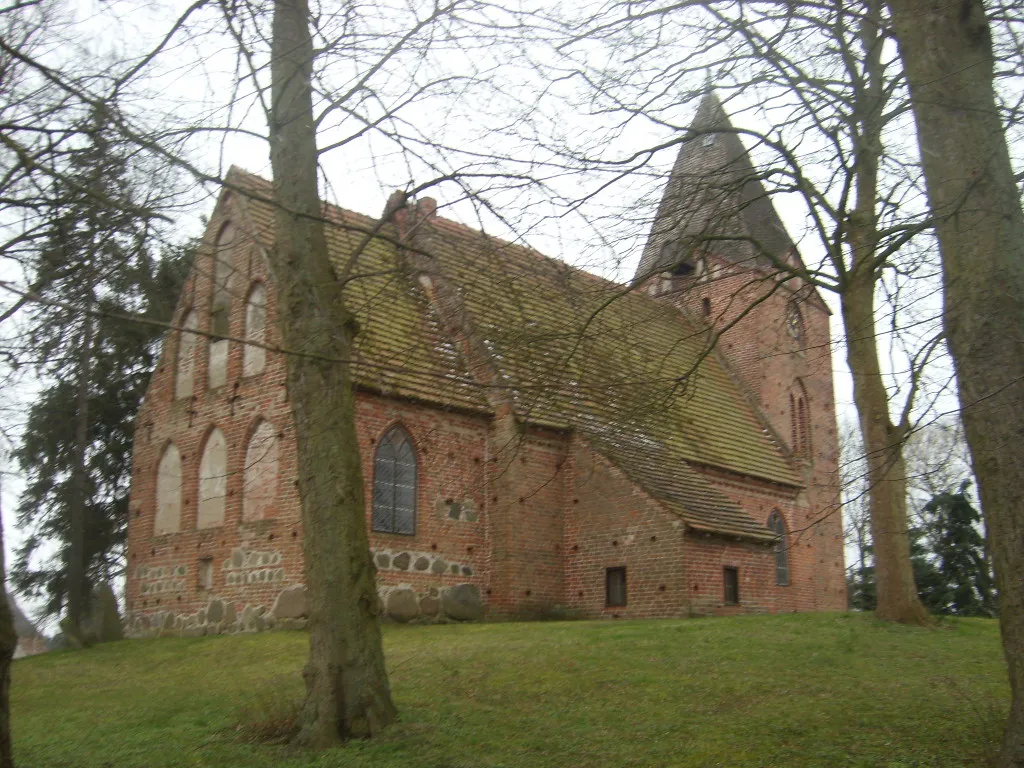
675	260
778	526
394	484
731	577
706	305
615	587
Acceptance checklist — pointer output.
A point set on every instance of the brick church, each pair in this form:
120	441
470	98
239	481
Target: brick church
535	440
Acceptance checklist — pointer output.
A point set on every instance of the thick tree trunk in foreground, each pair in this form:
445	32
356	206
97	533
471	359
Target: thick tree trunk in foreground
947	54
347	692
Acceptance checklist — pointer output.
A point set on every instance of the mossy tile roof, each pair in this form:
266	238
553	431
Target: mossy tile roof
626	372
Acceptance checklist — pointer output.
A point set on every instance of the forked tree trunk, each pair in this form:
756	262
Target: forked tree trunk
883	449
947	55
883	441
347	692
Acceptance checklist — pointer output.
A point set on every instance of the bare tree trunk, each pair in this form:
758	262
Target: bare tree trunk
947	55
77	588
347	691
883	450
882	440
8	644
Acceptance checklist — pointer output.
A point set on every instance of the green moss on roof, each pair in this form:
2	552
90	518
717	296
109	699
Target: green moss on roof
628	373
400	350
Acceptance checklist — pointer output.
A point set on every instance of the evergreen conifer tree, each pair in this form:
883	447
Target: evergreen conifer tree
962	582
95	267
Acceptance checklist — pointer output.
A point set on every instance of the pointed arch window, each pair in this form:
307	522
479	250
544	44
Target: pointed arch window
394	484
259	493
795	322
186	363
255	357
799	422
168	492
777	525
213	481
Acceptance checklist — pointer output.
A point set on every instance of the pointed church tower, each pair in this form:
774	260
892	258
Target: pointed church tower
714	250
714	203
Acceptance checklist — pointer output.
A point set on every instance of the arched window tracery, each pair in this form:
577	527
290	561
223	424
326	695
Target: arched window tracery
394	483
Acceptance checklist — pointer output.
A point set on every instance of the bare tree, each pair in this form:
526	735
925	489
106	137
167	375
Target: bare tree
948	55
938	458
347	687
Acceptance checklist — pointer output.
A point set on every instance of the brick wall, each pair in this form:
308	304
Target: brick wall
772	364
611	524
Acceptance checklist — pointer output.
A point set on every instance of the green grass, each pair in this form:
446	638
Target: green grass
796	690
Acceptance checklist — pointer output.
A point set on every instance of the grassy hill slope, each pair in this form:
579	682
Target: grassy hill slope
796	690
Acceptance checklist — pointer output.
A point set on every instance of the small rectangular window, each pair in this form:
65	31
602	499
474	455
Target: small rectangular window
731	577
615	587
206	574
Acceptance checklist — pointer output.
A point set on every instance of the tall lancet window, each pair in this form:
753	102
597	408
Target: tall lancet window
799	421
213	481
168	492
394	484
220	307
795	322
255	357
186	364
259	494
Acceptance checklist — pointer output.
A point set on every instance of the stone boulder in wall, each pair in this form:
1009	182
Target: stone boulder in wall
291	603
402	604
462	602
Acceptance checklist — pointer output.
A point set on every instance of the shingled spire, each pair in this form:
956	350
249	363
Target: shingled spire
714	202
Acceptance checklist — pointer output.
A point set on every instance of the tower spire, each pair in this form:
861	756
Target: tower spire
714	200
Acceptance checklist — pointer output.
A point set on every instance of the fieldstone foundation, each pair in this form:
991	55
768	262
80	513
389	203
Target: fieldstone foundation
401	603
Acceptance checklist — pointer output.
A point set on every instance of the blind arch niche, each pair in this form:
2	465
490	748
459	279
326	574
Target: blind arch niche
213	481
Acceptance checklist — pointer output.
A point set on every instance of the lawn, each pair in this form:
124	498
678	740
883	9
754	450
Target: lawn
796	690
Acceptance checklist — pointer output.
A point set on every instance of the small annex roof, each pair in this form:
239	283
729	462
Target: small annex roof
626	372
